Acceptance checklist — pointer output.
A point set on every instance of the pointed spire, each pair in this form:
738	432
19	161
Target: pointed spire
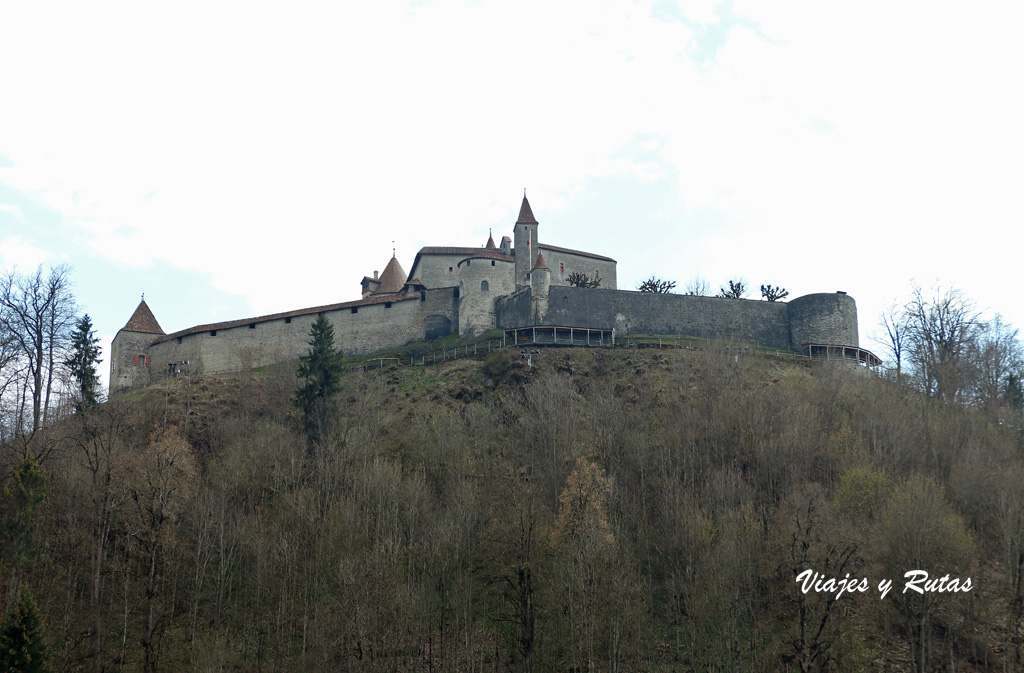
392	278
143	320
526	213
540	262
490	241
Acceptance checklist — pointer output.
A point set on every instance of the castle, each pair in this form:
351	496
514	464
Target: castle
519	284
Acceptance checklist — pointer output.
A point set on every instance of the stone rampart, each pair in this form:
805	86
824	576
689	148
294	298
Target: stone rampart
261	341
816	318
824	318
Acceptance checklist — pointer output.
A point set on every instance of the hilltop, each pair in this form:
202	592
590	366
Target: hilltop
601	509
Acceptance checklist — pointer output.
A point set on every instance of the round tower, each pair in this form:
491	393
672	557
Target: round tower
540	277
525	235
823	319
483	277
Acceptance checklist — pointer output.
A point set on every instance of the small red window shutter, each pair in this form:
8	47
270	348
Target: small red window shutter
147	360
136	363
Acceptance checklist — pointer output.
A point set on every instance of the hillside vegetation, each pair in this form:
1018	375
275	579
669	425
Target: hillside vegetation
603	511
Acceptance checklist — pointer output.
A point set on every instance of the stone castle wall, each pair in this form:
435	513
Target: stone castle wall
476	305
370	328
823	319
128	365
563	263
817	318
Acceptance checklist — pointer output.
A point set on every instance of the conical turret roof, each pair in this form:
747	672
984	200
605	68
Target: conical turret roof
490	243
540	262
392	279
526	213
143	321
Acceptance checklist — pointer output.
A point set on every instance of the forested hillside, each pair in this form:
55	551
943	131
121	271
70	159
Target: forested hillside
603	511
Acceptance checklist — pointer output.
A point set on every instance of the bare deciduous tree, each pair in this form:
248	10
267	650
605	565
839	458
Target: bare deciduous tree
37	313
996	356
772	293
698	287
737	290
580	279
657	285
942	330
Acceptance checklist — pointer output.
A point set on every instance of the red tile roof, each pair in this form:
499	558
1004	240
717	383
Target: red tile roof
368	301
555	248
526	213
492	254
540	262
392	279
143	321
447	250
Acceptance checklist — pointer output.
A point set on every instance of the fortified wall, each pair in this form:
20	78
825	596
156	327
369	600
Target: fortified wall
471	290
812	319
140	358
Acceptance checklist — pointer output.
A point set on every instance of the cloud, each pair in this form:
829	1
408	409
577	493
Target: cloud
16	252
281	151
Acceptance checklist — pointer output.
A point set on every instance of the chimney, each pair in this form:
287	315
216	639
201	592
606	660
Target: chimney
375	275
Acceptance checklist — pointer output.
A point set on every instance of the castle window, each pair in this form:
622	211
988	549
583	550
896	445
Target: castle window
492	262
179	339
468	262
449	269
483	286
561	267
252	325
423	295
287	321
213	332
527	276
387	304
355	309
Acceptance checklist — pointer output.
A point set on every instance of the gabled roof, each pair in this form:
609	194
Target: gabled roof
143	321
526	213
392	279
555	248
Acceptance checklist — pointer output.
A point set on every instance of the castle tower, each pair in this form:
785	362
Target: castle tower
129	352
391	279
540	281
483	277
525	234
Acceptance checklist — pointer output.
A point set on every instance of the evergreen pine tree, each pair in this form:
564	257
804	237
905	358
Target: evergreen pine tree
321	372
85	355
21	639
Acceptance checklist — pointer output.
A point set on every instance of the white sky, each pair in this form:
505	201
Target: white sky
237	159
